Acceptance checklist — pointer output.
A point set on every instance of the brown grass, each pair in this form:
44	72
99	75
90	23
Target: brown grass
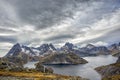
114	77
35	75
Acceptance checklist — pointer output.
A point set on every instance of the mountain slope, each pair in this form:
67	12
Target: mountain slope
88	50
63	58
15	49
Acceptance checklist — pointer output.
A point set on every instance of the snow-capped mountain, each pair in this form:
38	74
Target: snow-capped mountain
16	49
28	50
90	46
45	49
31	51
99	50
88	50
95	50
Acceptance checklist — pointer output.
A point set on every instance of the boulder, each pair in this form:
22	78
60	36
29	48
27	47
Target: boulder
41	68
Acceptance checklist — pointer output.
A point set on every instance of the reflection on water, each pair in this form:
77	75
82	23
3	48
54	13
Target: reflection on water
85	70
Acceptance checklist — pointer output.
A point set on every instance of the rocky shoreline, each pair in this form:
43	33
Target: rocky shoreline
110	72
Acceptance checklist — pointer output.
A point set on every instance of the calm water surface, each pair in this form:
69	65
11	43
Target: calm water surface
83	70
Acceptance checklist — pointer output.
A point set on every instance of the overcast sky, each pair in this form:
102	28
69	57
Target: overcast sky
34	22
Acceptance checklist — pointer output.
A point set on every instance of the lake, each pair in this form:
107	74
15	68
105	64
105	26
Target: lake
83	70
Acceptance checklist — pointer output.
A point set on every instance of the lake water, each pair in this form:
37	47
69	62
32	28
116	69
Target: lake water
83	70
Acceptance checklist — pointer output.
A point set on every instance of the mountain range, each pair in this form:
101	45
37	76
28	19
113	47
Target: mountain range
26	53
45	49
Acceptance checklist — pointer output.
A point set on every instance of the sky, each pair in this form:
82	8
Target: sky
34	22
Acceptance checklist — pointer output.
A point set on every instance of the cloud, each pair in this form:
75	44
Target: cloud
60	37
100	43
4	48
10	39
35	22
102	30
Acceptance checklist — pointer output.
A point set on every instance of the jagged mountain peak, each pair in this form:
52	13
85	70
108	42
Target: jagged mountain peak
47	46
31	51
18	44
115	46
90	46
69	45
14	50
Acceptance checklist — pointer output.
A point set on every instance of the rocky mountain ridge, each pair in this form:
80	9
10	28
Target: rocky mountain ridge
67	48
25	53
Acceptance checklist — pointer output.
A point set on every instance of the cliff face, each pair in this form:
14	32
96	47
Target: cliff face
63	58
110	72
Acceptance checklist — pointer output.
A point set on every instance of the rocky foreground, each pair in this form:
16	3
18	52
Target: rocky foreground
110	72
12	71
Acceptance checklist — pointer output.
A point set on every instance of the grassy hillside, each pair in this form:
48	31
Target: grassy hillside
38	76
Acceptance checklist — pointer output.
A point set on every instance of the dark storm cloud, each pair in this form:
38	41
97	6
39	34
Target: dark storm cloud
60	37
41	13
4	30
10	39
44	13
